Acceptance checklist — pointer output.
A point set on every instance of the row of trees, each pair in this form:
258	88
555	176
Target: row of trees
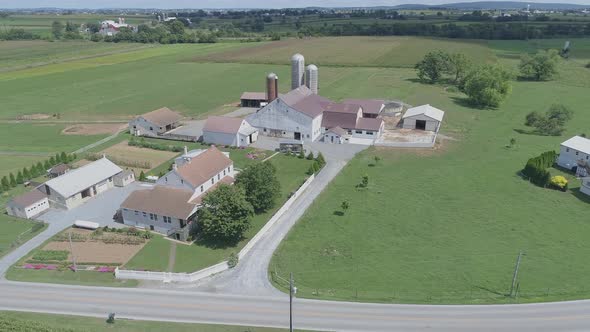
40	168
171	33
485	85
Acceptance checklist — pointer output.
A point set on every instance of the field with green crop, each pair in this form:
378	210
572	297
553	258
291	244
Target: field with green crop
21	321
446	226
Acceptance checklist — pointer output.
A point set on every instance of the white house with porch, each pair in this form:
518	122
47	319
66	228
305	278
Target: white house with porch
573	153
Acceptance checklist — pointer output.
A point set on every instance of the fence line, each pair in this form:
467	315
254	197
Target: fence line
220	267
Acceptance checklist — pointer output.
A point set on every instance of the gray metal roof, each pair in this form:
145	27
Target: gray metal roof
84	177
429	111
578	143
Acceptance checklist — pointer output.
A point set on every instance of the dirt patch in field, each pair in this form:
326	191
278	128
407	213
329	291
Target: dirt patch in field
36	116
93	129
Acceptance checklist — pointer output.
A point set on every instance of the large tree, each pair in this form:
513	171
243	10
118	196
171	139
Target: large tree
57	29
261	185
458	66
487	85
433	66
225	214
540	67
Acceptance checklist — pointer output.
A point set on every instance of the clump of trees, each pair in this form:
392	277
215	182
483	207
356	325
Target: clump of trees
536	171
68	31
261	185
552	123
540	67
170	33
485	85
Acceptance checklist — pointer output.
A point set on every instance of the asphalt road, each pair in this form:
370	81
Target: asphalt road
251	310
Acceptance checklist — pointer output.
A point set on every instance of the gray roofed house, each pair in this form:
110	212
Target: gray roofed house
28	205
229	131
78	185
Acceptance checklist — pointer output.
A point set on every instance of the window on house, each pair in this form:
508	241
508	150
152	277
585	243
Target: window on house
369	133
567	150
151	128
182	181
358	131
151	216
144	214
218	177
223	172
201	188
212	180
136	213
167	220
577	153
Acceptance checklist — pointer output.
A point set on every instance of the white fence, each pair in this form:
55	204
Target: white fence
217	268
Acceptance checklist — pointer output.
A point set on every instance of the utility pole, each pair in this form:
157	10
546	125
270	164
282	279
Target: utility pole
292	291
515	275
72	251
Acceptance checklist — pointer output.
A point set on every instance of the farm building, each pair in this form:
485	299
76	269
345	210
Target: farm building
28	205
574	152
155	123
336	135
371	107
349	117
79	185
124	178
58	170
229	131
296	115
253	99
170	206
423	117
111	28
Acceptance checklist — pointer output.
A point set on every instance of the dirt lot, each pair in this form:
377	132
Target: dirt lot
95	251
94	129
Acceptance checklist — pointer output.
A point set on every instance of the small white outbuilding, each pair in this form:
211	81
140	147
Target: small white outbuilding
423	117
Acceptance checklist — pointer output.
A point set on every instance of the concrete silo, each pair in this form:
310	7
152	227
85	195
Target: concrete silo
311	78
272	87
297	71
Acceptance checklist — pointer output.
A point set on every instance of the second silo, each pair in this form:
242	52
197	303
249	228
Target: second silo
297	71
311	78
272	87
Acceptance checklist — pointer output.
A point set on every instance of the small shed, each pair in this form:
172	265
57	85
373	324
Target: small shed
28	205
253	99
423	117
58	170
124	178
335	135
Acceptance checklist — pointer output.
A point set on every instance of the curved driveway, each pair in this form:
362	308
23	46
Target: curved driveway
244	296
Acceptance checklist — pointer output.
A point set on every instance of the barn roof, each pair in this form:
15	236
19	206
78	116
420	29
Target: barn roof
162	200
427	110
204	166
305	101
28	198
253	96
223	124
162	117
84	177
370	106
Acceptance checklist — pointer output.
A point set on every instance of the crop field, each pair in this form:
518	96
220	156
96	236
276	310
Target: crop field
41	137
446	226
351	51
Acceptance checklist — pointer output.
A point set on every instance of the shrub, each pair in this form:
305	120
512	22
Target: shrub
559	182
310	156
535	169
588	65
301	154
232	260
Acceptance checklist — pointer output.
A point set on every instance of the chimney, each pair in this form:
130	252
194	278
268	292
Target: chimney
185	150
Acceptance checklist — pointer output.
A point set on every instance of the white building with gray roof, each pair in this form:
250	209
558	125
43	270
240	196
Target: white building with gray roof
81	184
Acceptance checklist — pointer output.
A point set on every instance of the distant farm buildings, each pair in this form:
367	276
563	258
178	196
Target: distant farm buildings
155	123
111	28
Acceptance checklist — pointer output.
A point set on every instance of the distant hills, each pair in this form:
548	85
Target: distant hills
479	5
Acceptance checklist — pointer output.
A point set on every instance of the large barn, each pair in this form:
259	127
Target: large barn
296	115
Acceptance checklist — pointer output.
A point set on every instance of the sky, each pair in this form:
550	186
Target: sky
225	3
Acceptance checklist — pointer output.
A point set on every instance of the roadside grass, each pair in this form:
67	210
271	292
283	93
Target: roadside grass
446	226
12	163
351	51
25	321
154	256
15	231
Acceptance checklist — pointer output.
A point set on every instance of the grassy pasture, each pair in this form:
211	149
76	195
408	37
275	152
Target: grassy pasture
351	51
14	229
61	323
445	226
41	137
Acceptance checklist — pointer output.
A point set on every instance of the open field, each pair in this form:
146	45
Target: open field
154	256
18	321
446	226
351	51
14	232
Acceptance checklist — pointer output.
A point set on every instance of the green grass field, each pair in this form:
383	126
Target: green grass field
14	232
21	321
154	256
445	226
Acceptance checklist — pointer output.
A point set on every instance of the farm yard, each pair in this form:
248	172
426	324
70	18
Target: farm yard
440	226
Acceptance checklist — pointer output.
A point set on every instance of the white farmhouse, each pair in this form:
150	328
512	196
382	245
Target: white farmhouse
423	117
171	206
574	152
229	131
28	205
79	185
295	115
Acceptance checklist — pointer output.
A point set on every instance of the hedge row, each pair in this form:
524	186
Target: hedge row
536	171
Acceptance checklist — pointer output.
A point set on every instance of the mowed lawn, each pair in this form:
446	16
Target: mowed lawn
190	258
21	321
446	226
351	51
14	232
41	137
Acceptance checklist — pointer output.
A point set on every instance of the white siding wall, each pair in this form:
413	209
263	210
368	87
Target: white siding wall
144	127
220	138
29	211
568	157
145	220
431	124
332	138
75	200
278	116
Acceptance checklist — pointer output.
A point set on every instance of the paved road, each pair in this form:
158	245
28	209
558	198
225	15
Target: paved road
175	305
